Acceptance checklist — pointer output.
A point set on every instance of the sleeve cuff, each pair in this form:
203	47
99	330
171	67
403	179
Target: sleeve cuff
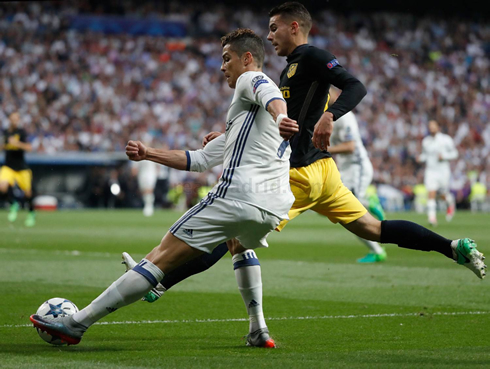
274	98
188	165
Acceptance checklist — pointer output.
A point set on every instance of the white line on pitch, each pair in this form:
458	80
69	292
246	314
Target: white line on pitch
456	313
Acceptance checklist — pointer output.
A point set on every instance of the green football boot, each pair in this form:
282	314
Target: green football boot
14	210
30	220
465	253
373	258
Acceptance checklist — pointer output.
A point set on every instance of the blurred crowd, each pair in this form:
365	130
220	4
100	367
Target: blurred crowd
89	91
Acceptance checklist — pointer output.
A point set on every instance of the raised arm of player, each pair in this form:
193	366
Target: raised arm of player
196	161
450	152
329	70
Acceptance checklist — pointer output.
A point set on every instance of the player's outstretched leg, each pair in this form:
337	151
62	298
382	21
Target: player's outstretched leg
249	279
31	216
410	235
413	236
129	288
450	206
195	266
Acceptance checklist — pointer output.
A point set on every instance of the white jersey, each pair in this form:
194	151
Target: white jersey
437	151
253	171
346	129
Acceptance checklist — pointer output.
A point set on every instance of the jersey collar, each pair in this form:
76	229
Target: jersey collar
296	51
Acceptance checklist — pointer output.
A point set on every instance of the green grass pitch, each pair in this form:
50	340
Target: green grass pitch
416	310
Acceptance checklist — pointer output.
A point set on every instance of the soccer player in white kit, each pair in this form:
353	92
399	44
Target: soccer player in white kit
250	200
356	170
437	150
147	173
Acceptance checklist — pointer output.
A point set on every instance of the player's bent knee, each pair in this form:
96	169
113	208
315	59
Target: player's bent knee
367	227
235	246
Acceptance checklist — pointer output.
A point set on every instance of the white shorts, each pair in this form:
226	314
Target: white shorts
437	181
215	220
357	178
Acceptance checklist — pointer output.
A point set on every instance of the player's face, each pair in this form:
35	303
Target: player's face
232	66
433	127
280	35
14	119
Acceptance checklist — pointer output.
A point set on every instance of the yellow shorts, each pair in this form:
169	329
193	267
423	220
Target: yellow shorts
318	187
23	178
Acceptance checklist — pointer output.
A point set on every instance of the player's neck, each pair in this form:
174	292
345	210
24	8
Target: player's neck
297	43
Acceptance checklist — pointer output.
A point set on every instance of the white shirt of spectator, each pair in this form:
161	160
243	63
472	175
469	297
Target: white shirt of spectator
253	173
437	151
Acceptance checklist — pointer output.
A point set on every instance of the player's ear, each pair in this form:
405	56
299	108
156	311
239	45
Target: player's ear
247	58
294	28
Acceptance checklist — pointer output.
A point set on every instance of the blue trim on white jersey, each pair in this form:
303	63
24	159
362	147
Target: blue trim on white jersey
188	165
237	151
271	100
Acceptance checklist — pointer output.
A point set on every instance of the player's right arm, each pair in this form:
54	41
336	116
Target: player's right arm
423	157
196	161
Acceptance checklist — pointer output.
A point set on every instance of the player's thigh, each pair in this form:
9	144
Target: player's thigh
366	227
7	177
305	196
337	202
207	224
255	226
431	181
24	180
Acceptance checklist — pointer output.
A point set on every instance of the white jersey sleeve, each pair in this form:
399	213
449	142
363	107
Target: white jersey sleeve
348	131
257	88
210	156
449	151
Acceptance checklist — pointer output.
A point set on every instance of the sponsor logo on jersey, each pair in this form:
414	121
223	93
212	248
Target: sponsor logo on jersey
332	63
292	70
257	81
228	125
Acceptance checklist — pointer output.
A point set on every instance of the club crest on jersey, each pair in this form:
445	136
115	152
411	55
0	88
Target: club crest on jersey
332	63
257	81
292	70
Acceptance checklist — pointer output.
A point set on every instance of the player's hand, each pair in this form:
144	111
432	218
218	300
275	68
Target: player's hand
210	137
13	141
287	128
136	151
322	132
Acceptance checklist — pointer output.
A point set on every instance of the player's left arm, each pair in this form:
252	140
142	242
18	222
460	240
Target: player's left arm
450	152
20	143
327	69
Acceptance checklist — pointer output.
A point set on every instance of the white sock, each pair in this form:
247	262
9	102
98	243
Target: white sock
449	199
431	209
129	288
374	247
249	280
149	199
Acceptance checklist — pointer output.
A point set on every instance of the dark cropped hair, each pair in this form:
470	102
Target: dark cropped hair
294	11
243	40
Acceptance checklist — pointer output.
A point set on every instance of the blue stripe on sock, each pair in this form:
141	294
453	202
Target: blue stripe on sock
245	263
145	273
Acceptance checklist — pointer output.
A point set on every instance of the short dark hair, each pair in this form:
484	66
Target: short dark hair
294	11
243	40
